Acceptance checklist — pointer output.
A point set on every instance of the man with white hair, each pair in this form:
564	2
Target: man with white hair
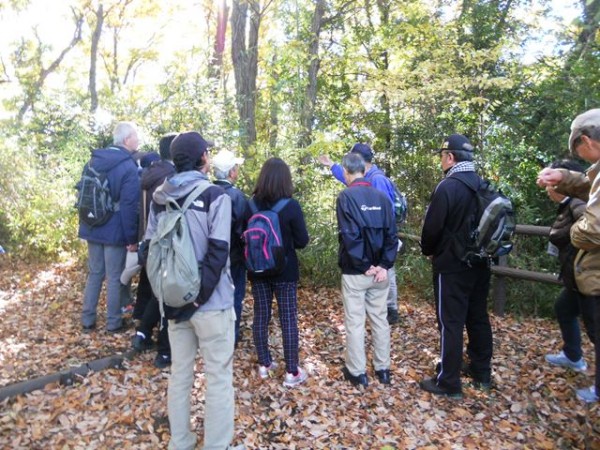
584	142
108	243
226	170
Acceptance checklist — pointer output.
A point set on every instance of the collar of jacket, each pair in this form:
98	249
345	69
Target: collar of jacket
592	172
360	182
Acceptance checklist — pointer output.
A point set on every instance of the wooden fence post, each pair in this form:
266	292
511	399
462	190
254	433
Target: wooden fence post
499	293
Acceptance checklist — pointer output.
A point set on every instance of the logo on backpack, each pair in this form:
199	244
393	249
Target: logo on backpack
172	266
263	244
493	225
94	201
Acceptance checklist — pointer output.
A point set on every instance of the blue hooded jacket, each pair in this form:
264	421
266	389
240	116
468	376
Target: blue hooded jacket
124	182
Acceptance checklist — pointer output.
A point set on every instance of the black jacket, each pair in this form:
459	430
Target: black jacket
240	213
560	235
366	227
152	177
449	220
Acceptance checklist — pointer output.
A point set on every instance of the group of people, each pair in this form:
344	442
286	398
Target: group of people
368	247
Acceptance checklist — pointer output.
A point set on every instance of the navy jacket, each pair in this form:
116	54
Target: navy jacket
366	227
240	213
294	235
122	228
448	222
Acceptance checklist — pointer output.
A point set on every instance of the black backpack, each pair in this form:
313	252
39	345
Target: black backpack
492	226
94	201
400	203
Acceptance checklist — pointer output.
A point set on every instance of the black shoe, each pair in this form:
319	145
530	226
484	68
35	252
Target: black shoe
88	328
383	376
141	344
392	316
430	385
355	380
162	361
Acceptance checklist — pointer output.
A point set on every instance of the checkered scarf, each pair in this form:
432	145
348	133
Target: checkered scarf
463	166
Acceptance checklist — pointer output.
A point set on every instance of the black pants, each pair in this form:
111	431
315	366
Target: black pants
594	303
461	300
569	305
144	294
150	319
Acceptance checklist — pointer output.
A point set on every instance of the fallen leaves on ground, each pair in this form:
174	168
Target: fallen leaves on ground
533	405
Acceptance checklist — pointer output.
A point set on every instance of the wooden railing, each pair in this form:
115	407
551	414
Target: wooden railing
501	271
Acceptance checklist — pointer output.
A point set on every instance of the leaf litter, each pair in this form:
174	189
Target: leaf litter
532	405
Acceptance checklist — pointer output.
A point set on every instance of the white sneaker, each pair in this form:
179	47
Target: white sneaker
588	395
560	359
292	380
265	371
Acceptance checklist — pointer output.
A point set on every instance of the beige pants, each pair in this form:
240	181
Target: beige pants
212	332
363	297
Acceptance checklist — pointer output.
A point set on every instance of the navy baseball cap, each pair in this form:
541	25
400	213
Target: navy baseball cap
456	142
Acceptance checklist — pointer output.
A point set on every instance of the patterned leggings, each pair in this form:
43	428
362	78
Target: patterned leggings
285	292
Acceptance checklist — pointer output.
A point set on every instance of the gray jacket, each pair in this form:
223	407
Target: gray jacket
209	221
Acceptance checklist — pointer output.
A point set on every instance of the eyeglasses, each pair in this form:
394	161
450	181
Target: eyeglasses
443	153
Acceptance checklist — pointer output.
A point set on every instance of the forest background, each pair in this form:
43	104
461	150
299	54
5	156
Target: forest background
295	79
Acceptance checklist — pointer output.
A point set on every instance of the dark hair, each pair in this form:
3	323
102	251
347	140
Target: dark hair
164	145
569	164
353	163
461	155
274	181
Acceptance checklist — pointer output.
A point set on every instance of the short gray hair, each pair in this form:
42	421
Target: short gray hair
221	174
353	163
122	131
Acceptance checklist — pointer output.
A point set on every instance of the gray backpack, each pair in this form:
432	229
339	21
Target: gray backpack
172	266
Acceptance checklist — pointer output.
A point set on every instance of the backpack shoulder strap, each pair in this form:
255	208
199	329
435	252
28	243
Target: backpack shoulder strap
280	205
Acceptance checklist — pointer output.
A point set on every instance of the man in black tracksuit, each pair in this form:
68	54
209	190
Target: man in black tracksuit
460	287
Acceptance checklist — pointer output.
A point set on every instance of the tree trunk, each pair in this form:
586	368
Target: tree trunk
94	58
219	48
307	112
245	65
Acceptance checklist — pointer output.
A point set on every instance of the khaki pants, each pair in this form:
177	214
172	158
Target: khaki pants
212	332
363	297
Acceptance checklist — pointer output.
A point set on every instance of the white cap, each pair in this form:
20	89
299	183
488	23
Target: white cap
225	160
132	267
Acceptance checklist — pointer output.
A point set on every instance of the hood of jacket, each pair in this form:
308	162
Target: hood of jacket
154	175
178	186
105	159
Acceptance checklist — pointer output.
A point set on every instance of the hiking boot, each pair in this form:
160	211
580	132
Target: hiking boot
561	360
292	380
355	379
162	361
266	371
140	343
588	395
383	376
392	316
430	385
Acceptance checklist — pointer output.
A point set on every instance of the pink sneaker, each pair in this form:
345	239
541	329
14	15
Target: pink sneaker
292	380
265	371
